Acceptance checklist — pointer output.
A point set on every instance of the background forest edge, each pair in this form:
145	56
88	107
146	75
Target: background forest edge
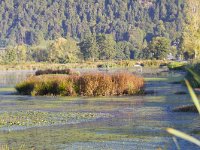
109	29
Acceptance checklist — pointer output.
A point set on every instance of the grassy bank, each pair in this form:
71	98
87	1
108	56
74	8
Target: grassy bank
177	65
86	64
91	84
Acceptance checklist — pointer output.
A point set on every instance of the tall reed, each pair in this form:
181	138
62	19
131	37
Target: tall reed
182	134
89	84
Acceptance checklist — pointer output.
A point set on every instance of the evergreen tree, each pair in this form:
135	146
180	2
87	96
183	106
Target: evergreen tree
29	22
89	48
158	48
106	44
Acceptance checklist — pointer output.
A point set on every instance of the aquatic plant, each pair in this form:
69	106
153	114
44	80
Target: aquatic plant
182	134
48	85
83	64
95	85
153	63
125	83
193	75
89	84
177	65
26	87
41	118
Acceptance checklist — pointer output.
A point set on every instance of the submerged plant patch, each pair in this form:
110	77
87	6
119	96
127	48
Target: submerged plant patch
39	119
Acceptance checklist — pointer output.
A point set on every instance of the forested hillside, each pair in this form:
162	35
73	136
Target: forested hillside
136	21
63	31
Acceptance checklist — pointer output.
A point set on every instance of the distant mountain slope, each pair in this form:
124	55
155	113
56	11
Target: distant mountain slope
136	21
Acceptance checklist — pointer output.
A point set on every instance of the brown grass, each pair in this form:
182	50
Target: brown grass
89	84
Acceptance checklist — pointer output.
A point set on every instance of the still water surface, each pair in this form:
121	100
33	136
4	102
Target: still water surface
135	122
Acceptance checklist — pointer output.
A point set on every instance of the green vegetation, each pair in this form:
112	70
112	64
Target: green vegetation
93	84
153	63
177	65
193	73
37	118
49	32
182	134
120	127
190	42
92	48
193	96
6	147
99	47
31	22
158	49
63	136
86	64
60	34
63	51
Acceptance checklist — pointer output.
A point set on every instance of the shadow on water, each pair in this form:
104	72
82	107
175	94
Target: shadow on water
136	122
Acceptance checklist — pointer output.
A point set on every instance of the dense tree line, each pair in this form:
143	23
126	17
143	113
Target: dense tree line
70	30
92	48
135	21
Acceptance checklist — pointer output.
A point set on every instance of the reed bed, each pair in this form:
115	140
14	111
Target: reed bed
88	84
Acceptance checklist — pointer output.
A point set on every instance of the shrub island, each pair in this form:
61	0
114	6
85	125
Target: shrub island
88	84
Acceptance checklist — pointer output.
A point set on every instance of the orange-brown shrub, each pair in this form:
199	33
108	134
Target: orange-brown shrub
48	85
95	84
90	84
126	83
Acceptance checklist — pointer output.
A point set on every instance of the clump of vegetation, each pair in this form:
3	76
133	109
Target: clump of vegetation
177	65
50	71
125	83
153	63
193	73
48	85
90	84
126	63
96	85
83	64
181	134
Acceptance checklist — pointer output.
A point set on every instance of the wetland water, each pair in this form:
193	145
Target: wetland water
118	123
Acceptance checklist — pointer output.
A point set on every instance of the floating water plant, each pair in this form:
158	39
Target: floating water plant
182	134
38	118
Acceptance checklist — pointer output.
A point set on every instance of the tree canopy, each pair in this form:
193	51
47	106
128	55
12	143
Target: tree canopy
30	22
64	31
191	34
